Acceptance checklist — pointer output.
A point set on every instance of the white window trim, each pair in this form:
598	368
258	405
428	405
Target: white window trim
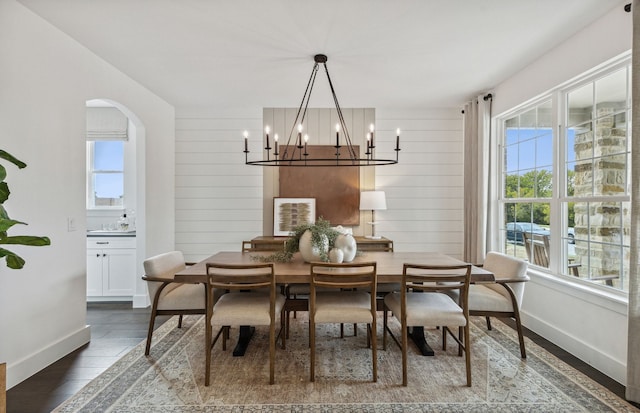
557	255
89	177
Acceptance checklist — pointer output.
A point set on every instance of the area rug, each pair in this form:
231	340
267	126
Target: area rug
171	379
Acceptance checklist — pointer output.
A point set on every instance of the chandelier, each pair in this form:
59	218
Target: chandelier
295	152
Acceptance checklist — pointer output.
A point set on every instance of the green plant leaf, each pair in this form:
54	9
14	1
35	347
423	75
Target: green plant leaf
3	213
17	162
26	240
3	173
13	261
4	192
5	224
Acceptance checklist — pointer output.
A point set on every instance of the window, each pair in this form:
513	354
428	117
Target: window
565	172
105	174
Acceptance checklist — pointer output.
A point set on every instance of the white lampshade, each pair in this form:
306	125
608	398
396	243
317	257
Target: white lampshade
373	200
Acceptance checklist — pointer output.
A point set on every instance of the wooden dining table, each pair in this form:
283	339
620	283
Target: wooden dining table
389	270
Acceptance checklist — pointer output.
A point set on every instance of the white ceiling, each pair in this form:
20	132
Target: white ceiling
259	53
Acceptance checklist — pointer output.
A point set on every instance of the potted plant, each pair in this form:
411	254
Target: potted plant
13	260
322	238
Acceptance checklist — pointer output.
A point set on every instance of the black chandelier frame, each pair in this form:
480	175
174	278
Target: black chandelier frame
295	150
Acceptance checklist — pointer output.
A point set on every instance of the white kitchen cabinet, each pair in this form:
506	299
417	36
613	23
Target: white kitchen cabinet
111	267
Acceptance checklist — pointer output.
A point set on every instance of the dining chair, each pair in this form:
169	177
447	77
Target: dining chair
504	297
423	301
252	300
337	296
169	297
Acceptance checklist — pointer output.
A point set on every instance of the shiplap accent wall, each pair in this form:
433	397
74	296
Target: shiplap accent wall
425	192
220	200
218	197
320	125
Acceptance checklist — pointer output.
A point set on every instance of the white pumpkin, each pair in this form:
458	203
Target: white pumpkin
347	244
336	255
311	252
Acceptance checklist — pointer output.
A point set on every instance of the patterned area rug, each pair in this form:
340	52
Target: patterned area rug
171	379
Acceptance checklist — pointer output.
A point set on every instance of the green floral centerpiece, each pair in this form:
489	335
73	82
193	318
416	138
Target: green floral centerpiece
14	261
323	238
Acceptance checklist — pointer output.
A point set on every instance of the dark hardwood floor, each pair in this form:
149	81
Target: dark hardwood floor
116	328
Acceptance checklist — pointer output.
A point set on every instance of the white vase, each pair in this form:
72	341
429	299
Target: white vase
311	252
336	255
348	245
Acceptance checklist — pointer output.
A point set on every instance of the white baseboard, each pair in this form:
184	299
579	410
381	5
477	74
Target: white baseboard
141	301
598	360
27	367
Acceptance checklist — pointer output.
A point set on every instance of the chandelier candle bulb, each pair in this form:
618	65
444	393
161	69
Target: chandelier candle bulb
398	139
371	130
306	139
275	142
299	136
337	135
246	142
266	130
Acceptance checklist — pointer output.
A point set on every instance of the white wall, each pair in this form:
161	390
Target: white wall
46	78
425	189
219	198
586	321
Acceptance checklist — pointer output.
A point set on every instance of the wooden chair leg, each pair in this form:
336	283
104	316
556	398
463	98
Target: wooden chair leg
374	349
208	344
384	329
405	337
467	352
152	320
272	351
516	316
488	323
180	321
312	352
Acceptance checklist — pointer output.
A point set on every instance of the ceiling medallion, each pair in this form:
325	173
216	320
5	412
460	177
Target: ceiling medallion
294	151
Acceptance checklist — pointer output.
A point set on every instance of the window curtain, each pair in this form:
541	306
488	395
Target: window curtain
633	335
106	124
477	141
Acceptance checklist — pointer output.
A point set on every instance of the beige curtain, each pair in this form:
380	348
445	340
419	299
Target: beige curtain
477	141
633	335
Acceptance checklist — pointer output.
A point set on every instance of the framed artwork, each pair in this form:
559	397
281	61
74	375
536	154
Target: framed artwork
335	189
288	213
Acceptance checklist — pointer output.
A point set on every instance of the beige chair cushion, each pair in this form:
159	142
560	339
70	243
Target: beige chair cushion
504	267
343	307
245	308
488	299
183	297
164	266
427	309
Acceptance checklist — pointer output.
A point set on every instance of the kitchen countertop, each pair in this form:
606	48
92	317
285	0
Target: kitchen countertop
106	233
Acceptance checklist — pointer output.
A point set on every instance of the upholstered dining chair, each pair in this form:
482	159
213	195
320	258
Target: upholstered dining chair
252	300
504	297
423	301
337	296
169	297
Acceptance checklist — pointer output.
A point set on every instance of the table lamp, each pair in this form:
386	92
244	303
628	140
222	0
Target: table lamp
373	200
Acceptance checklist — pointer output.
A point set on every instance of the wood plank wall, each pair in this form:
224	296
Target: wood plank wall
425	189
220	200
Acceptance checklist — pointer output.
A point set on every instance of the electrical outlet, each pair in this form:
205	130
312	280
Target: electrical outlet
71	224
